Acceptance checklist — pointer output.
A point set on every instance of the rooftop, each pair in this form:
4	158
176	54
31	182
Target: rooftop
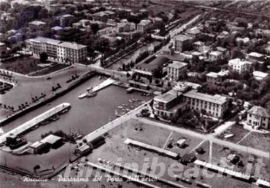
36	144
155	63
255	54
193	31
221	49
166	97
217	99
259	75
37	23
182	38
260	111
238	61
46	40
51	139
145	22
212	74
74	46
215	53
177	64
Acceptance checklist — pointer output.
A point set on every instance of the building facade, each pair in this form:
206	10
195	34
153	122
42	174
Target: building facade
167	105
176	69
258	117
143	25
214	105
239	65
182	42
214	78
62	52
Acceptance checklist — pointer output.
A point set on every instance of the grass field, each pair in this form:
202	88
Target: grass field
257	140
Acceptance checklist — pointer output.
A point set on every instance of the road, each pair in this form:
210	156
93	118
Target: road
208	137
178	3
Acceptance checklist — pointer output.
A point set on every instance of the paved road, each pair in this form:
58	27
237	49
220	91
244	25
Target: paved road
209	137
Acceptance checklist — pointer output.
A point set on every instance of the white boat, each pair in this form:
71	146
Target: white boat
81	96
91	94
120	107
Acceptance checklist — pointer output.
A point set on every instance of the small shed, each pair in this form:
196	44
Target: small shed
83	150
38	147
52	140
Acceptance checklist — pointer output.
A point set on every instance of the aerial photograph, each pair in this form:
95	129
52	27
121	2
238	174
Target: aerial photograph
135	93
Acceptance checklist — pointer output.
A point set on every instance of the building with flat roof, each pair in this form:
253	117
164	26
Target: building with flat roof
176	69
182	42
168	104
258	75
214	78
255	56
214	105
66	20
37	25
215	56
240	65
38	147
62	52
258	117
193	32
143	25
52	140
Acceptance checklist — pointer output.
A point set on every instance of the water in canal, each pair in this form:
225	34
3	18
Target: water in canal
85	116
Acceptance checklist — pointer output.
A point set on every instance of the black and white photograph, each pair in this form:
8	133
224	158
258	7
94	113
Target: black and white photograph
134	94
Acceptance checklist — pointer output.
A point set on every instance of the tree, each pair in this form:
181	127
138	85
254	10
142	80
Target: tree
157	73
236	53
94	28
159	25
43	57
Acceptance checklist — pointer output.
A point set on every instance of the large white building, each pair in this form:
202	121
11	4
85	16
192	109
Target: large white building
176	69
214	105
257	117
62	52
240	65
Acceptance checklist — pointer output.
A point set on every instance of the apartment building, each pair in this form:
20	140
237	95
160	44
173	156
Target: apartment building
38	25
214	105
258	117
182	42
214	78
215	56
167	105
143	25
62	52
176	69
240	65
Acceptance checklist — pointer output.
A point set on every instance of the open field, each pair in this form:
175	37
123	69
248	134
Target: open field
238	133
250	162
27	65
23	65
116	151
257	140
